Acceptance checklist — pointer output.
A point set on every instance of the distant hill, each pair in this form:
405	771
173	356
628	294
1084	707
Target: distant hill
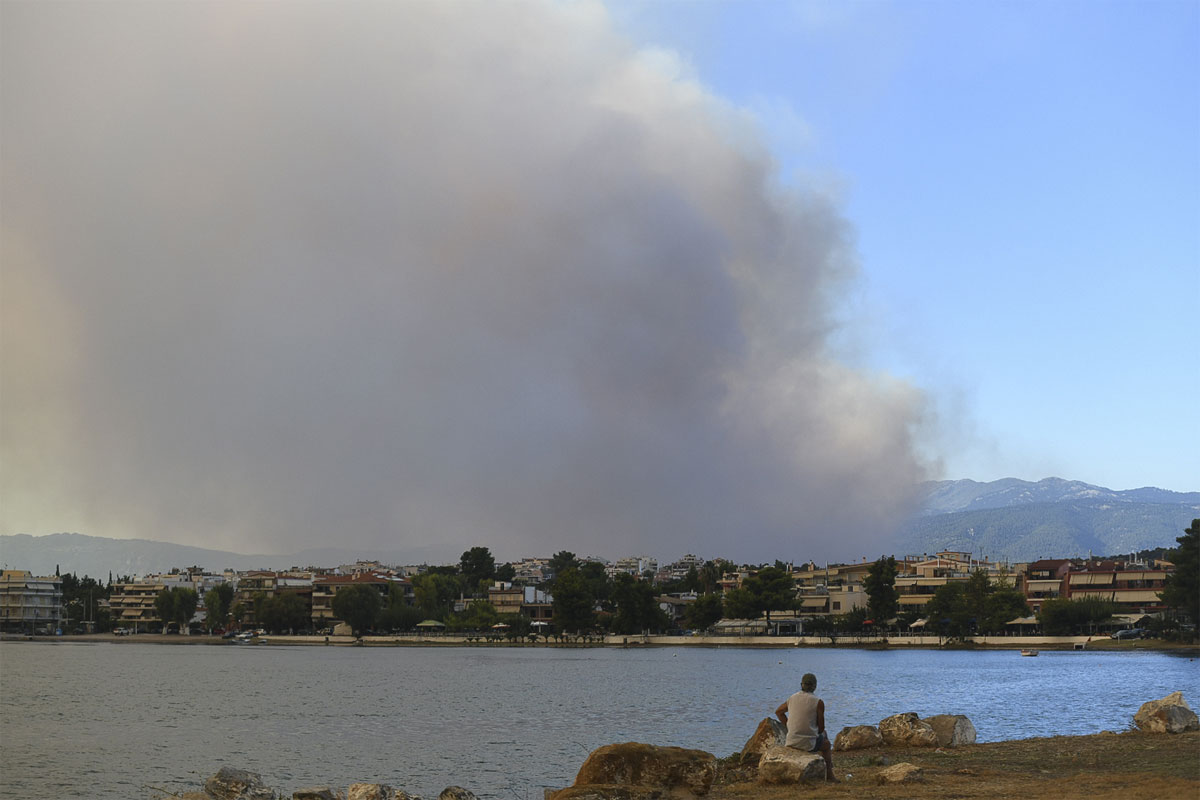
97	556
942	497
1005	519
1022	521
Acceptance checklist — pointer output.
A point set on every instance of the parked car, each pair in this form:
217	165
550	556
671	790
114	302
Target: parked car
1129	633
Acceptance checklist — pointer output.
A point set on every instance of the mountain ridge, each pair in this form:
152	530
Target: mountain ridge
1007	519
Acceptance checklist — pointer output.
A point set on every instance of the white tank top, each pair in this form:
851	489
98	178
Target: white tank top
802	721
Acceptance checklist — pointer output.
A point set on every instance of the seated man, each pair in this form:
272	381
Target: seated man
804	715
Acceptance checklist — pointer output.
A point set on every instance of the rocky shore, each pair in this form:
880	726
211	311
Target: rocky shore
904	756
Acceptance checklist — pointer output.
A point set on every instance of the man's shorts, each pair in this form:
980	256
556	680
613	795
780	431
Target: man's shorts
818	743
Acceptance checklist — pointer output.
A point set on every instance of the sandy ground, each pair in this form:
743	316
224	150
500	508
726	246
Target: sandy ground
1105	766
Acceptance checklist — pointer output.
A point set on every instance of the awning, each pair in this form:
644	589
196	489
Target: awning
919	623
1023	621
431	623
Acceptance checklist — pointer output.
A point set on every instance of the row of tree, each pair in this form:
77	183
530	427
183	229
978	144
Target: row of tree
586	599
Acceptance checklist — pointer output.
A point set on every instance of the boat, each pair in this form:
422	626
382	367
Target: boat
1029	652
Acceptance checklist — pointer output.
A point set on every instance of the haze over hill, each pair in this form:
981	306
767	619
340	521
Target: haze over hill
1005	519
1052	518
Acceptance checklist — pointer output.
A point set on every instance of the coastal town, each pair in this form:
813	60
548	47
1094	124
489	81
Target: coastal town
947	593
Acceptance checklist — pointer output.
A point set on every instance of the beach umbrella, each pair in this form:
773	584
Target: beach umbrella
539	624
499	626
431	623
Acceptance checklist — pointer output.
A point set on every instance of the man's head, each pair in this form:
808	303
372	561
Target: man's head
809	682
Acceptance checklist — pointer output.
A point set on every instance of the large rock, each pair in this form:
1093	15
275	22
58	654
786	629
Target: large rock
237	784
781	764
901	773
682	772
317	793
952	730
857	737
1171	714
769	733
907	730
374	791
456	793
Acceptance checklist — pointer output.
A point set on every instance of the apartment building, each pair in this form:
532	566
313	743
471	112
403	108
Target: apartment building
921	576
830	590
132	605
29	604
1133	586
1044	580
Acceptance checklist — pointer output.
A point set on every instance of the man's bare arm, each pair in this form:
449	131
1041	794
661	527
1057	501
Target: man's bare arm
820	716
781	712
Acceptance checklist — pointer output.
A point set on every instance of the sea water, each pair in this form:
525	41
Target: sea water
115	720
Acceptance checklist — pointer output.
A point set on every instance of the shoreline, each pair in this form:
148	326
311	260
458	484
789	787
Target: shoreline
983	643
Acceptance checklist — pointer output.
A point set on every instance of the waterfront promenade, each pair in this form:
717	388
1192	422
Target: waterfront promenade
901	642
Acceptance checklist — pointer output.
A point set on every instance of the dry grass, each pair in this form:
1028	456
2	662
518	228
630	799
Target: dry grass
1123	766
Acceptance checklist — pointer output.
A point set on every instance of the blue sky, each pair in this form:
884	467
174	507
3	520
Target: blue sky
1024	180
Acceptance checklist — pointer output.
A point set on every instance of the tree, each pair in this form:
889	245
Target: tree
880	586
217	602
773	589
164	606
398	616
1061	616
973	606
506	573
705	612
573	604
357	606
479	615
947	611
1004	605
637	607
710	575
283	612
434	593
562	561
1181	589
596	581
477	566
186	600
740	604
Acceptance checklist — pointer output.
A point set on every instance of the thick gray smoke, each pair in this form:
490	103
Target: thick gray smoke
417	275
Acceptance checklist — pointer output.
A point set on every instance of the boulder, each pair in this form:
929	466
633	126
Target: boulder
1171	714
781	764
769	733
456	793
857	737
683	772
317	793
901	773
907	730
374	791
952	730
237	784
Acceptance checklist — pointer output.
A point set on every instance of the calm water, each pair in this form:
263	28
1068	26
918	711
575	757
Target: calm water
111	720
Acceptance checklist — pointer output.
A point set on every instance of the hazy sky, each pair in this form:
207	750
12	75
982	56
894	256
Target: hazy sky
727	279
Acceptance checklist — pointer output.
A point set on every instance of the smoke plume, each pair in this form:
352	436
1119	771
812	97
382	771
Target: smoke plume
417	275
